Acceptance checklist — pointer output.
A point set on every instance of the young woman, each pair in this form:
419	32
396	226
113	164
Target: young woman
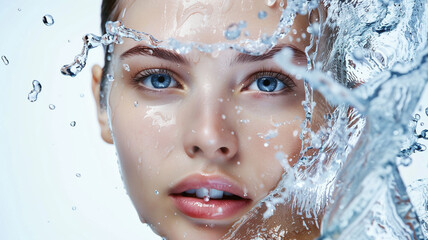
197	133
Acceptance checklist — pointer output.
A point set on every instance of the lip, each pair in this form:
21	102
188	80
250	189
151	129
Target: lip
214	209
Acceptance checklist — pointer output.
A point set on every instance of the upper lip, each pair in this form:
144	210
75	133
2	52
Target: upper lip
197	181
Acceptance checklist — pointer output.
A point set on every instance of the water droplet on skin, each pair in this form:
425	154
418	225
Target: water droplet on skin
270	3
48	20
126	67
266	145
223	117
78	175
136	104
5	60
110	77
73	123
238	163
37	88
234	30
156	192
51	107
262	14
207	198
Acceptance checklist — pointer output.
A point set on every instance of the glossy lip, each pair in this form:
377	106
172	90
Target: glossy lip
214	209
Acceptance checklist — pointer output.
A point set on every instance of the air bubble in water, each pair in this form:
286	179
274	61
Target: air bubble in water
48	20
51	107
37	88
270	3
262	14
73	123
5	60
234	30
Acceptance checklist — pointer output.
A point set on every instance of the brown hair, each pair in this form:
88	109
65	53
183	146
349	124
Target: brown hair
109	12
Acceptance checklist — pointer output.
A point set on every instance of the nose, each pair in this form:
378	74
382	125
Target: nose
210	137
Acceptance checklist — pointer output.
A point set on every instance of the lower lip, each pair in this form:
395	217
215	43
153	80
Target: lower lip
212	209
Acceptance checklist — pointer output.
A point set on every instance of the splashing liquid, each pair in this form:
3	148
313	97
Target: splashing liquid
323	186
37	88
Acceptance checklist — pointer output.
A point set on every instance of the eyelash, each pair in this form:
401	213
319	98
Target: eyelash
284	79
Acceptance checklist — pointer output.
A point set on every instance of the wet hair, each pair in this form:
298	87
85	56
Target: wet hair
110	10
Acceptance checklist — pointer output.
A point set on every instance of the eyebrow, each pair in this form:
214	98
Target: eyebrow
240	58
246	58
155	52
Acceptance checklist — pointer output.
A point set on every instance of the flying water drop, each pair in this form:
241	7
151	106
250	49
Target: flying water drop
37	88
73	123
51	107
48	20
78	175
5	60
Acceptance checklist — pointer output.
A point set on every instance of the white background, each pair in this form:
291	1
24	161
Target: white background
40	153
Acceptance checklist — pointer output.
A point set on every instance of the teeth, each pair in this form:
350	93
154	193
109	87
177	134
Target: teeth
202	192
228	194
216	194
191	191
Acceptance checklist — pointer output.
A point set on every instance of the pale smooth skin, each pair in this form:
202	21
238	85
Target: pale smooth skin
156	131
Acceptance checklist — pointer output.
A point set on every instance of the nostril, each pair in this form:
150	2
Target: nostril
195	149
224	150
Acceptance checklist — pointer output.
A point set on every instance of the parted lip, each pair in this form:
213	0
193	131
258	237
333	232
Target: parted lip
221	183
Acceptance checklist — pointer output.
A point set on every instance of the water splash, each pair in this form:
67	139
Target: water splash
48	20
37	88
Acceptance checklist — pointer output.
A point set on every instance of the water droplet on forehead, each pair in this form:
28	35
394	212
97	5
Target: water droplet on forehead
5	60
48	20
234	30
262	14
51	107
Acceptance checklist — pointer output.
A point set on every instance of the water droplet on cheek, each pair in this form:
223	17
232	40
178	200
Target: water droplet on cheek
262	14
156	192
48	20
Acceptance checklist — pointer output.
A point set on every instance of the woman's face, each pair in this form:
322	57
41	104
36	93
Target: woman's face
197	134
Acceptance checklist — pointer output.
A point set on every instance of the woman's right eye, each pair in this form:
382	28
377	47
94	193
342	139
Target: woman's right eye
156	79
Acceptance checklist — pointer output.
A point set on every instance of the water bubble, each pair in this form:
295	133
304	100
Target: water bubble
266	144
223	116
73	123
207	198
78	175
234	30
51	107
5	60
262	14
136	104
270	3
19	9
74	208
48	20
37	88
156	192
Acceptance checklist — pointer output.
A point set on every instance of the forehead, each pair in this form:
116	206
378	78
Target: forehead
199	20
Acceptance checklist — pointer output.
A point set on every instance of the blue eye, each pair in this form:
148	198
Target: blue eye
156	79
267	84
